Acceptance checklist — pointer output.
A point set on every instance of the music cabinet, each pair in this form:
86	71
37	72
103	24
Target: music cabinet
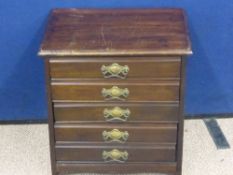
115	83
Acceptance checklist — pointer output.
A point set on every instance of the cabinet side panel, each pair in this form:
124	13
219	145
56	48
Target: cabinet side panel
181	119
50	118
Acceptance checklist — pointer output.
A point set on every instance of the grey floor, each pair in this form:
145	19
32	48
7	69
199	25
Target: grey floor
25	150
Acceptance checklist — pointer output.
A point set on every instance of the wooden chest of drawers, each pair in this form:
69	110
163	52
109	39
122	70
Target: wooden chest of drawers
115	83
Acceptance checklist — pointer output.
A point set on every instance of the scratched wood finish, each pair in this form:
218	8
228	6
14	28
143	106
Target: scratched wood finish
90	154
116	32
62	91
65	167
154	44
157	133
138	68
93	112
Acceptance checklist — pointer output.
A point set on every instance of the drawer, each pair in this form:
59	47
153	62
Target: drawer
115	112
115	154
116	133
67	167
115	91
121	68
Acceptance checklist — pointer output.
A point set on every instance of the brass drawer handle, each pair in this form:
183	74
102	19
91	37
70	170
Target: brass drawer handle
116	114
115	156
115	93
115	136
115	71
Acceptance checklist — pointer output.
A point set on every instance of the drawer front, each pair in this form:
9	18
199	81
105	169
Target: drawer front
62	91
116	133
115	154
65	167
116	68
114	112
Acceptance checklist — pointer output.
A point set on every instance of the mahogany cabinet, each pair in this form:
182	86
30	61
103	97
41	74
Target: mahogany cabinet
115	83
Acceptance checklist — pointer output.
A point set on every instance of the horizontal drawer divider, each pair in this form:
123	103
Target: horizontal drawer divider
113	80
117	102
100	122
122	103
122	125
126	163
104	163
113	145
137	82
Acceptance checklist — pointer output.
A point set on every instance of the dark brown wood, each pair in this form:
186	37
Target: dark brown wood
93	112
91	91
181	120
153	43
65	167
116	32
146	133
50	119
87	153
138	67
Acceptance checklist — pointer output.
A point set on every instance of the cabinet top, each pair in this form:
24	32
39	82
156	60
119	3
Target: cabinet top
99	32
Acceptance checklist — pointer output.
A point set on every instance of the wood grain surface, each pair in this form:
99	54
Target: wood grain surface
138	91
164	168
90	154
161	67
153	43
116	32
93	112
156	133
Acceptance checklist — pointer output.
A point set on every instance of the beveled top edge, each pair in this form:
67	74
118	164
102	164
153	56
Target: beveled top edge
59	53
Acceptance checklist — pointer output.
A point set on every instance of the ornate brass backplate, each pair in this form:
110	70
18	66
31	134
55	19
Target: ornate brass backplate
115	136
115	156
115	93
116	114
115	71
